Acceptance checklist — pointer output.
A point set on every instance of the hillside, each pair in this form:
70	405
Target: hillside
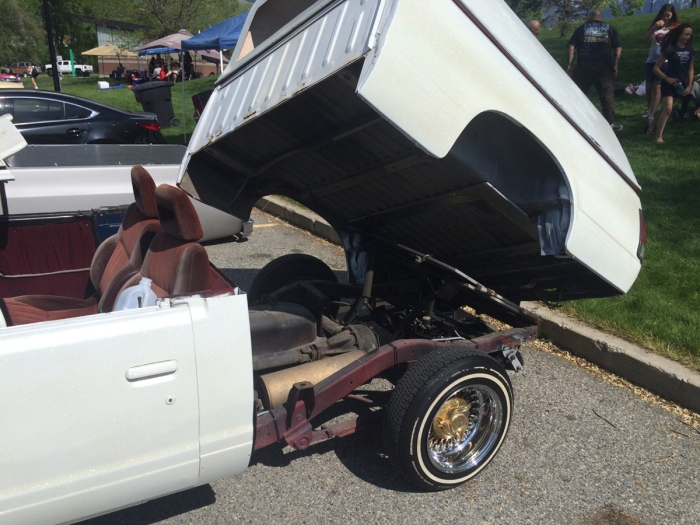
662	310
634	51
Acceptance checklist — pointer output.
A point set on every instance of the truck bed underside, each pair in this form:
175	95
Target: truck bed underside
476	209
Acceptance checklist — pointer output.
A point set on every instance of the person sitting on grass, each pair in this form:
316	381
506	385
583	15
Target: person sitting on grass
677	48
680	115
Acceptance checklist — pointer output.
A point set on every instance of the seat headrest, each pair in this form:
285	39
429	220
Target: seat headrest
177	215
144	191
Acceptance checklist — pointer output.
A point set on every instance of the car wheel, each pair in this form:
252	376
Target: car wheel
289	269
448	417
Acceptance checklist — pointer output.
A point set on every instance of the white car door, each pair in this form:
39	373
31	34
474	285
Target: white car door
98	413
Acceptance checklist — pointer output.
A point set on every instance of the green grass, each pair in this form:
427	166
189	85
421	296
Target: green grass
662	310
124	98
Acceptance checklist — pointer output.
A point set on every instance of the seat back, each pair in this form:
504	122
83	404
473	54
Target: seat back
175	262
121	256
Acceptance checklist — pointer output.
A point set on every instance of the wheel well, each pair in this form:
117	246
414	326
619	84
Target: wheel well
499	150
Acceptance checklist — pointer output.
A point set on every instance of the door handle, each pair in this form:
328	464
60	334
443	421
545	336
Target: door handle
151	370
75	131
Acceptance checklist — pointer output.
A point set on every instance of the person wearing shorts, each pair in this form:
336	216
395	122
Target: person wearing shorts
665	20
677	49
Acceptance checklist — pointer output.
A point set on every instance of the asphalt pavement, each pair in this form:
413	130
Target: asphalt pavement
581	450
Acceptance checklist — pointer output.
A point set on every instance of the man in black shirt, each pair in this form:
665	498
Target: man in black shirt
596	42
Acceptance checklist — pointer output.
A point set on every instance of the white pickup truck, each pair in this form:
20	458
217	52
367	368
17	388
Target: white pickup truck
65	68
449	187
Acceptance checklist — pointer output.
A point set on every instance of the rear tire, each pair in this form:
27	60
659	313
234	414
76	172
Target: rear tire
289	269
448	417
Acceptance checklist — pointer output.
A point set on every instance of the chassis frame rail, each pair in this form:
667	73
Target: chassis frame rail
291	422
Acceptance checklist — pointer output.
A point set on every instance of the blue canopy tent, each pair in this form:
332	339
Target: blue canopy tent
159	51
223	35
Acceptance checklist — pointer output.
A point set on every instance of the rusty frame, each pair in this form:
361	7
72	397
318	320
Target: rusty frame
291	422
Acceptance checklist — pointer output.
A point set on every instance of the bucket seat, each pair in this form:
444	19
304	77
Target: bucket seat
175	262
117	259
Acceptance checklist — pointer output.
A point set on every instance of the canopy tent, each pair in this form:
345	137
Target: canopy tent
223	35
173	44
108	50
158	51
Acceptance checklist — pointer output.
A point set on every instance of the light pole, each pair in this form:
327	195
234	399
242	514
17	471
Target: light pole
52	49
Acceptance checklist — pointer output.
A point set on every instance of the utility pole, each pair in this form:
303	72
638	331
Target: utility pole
52	48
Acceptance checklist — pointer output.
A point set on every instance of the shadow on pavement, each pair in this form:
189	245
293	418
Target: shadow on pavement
159	509
361	453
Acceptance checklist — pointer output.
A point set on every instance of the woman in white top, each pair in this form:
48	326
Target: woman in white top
665	20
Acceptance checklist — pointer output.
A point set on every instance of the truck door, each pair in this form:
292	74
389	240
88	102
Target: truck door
98	413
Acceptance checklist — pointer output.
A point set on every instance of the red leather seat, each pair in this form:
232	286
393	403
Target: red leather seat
115	261
175	262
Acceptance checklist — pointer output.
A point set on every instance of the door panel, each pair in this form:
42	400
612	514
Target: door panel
104	413
46	254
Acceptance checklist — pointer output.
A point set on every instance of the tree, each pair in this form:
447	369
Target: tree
625	7
170	15
527	9
568	13
22	36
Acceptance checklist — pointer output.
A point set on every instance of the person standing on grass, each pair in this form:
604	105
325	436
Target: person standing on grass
665	20
33	72
596	42
534	26
677	48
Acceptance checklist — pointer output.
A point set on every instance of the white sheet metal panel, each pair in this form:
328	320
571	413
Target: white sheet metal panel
313	53
68	189
434	71
78	438
225	378
11	141
512	34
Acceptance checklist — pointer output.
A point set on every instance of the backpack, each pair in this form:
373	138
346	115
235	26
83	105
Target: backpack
35	72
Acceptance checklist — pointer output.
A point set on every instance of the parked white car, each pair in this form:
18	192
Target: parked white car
448	190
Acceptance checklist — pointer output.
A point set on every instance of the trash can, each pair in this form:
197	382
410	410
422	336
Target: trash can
155	97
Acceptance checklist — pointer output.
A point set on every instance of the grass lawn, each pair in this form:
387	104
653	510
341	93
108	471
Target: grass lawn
662	310
124	98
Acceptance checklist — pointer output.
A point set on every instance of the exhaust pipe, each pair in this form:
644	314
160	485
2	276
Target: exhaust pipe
275	387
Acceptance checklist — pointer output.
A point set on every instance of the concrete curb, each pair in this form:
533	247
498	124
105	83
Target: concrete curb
657	374
298	216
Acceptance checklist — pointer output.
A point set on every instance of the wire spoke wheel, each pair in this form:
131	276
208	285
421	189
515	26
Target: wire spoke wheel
448	417
465	429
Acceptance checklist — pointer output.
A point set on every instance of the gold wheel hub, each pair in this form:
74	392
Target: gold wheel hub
452	420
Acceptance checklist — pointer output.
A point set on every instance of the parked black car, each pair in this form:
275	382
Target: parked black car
46	117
